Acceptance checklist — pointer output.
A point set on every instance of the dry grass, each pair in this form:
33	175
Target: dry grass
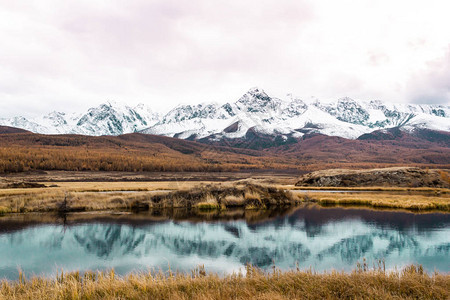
384	200
232	200
91	196
227	196
49	200
210	202
411	283
85	195
124	186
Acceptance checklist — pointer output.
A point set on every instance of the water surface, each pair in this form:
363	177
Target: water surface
320	238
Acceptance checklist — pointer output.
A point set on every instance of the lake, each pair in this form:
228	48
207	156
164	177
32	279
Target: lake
310	236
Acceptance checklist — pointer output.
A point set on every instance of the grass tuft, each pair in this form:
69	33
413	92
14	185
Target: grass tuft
410	283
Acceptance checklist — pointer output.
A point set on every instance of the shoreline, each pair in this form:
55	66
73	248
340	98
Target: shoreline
249	194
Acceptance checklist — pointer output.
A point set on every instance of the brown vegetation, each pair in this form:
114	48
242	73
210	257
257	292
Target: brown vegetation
225	196
9	130
97	196
21	152
24	185
410	283
416	202
140	196
131	153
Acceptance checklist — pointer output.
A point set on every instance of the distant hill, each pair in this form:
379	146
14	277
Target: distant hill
8	130
417	135
143	152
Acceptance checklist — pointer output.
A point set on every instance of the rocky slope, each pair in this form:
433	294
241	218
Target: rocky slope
397	176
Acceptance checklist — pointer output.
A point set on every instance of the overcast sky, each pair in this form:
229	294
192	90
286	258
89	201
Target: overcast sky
71	55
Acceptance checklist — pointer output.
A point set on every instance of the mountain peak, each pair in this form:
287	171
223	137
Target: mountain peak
255	90
344	117
256	100
345	100
255	94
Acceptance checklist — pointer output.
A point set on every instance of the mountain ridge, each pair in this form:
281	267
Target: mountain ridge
255	112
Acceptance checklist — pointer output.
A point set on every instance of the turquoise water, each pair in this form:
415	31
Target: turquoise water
312	237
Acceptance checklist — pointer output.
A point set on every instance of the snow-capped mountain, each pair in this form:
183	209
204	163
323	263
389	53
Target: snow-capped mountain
257	112
254	113
111	118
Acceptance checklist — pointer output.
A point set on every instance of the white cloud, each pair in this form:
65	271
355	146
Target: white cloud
432	84
69	55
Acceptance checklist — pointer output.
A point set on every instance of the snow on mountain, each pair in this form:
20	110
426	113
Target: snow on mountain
21	122
255	112
261	113
115	119
111	118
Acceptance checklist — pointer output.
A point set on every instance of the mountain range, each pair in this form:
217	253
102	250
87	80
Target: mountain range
255	114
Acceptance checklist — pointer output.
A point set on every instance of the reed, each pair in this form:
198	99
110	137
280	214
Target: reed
384	200
410	283
209	203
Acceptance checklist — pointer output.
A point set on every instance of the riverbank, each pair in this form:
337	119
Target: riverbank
414	200
72	197
247	194
410	283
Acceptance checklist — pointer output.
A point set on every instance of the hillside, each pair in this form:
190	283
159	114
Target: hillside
8	130
335	151
141	152
132	152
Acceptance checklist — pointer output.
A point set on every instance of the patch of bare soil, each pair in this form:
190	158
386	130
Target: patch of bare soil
25	185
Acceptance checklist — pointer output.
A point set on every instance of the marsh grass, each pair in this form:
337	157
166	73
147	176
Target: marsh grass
203	196
410	283
410	202
97	196
234	201
209	203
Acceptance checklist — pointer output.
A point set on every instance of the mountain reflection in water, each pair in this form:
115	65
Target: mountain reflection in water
321	238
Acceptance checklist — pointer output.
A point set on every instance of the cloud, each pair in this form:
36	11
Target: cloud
432	84
377	58
71	55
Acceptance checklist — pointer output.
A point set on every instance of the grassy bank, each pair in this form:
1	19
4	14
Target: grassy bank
67	197
411	283
417	201
250	194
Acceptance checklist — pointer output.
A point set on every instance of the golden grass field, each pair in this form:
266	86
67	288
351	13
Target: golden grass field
97	196
414	200
410	283
84	195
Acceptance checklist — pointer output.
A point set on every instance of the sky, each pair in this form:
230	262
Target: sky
74	54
